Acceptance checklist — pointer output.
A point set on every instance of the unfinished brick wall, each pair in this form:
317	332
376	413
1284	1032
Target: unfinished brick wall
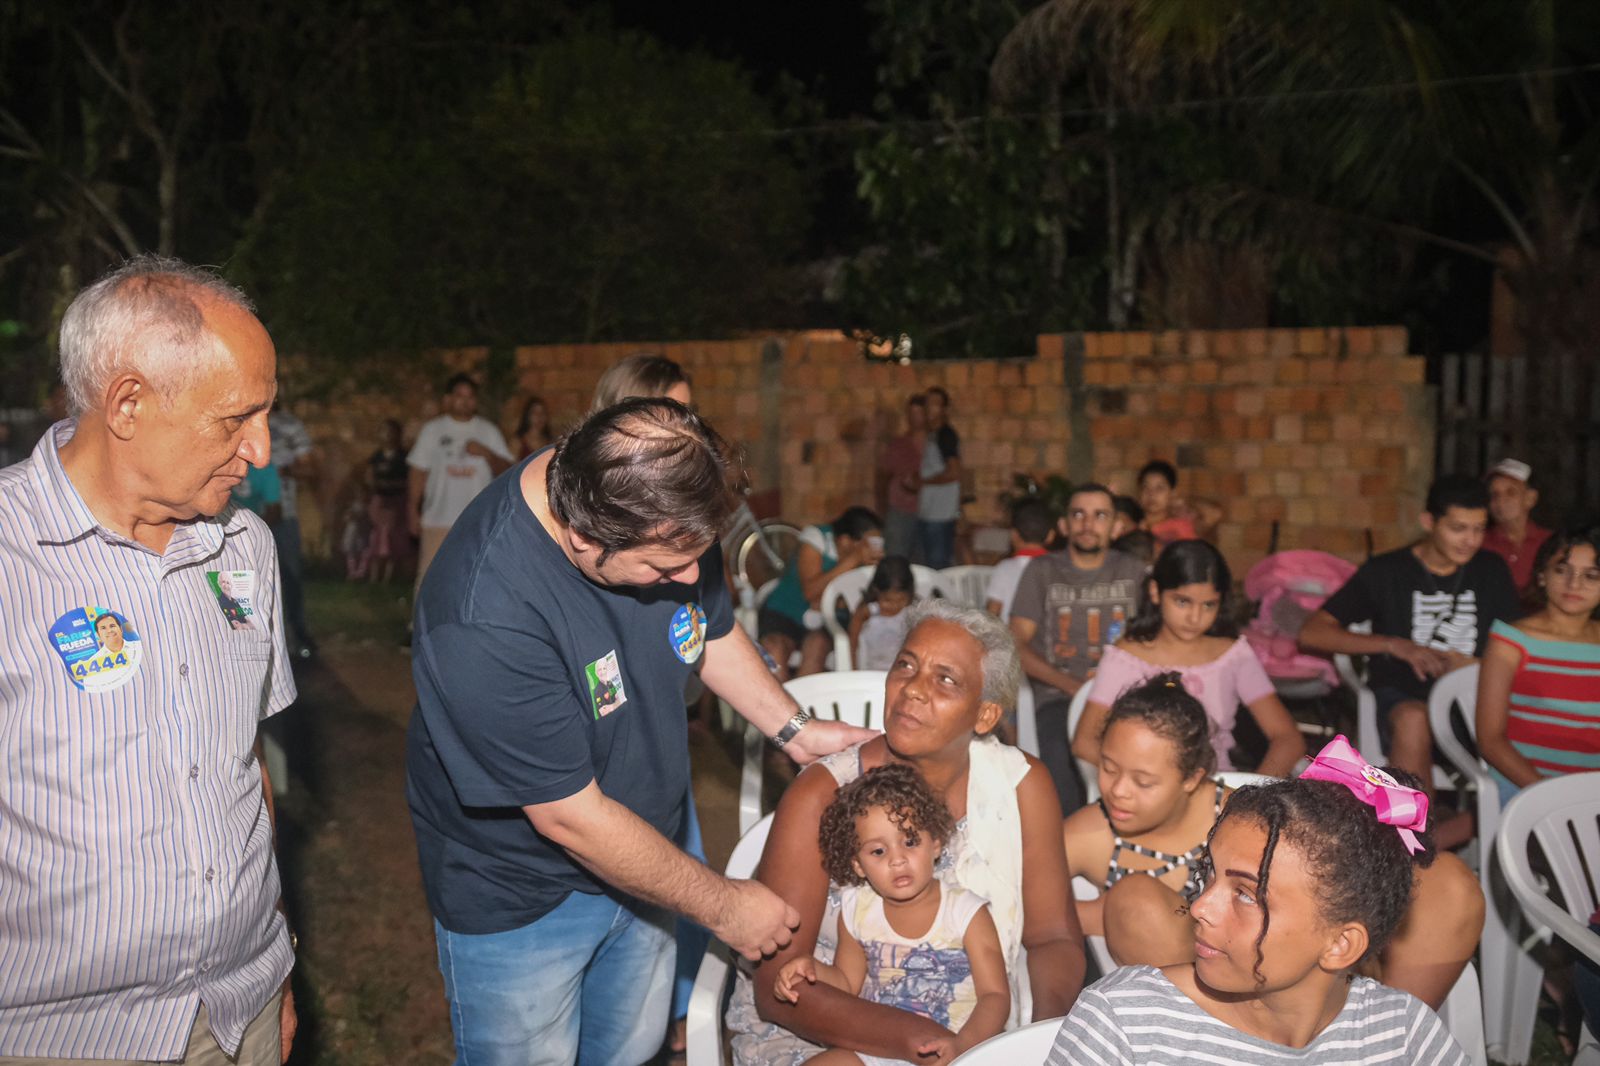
1329	431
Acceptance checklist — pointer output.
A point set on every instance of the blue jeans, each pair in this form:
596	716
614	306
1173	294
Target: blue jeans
938	542
692	939
588	983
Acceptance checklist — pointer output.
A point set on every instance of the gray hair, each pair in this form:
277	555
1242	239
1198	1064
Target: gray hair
141	316
1002	666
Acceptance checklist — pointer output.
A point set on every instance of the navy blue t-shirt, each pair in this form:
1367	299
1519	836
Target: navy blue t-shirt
533	681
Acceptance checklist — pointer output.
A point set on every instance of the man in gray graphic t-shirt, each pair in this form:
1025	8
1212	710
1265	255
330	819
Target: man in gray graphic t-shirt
1068	606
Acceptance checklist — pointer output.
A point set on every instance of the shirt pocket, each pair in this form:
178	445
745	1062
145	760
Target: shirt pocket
247	644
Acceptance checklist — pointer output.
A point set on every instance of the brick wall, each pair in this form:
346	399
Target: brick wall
1328	431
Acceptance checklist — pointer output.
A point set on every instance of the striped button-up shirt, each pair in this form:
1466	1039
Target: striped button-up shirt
137	875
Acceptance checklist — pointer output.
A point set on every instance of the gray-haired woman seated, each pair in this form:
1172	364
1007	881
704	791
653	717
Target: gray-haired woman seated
955	675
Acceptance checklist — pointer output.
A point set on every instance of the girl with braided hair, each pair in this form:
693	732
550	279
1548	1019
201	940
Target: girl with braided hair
1304	881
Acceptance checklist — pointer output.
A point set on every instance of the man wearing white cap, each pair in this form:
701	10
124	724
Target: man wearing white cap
1514	536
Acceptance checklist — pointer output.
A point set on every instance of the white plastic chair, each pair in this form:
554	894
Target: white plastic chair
1241	778
703	1027
1462	1014
1088	772
853	696
851	586
1084	889
1459	688
1498	948
967	584
1563	815
1028	1045
1027	720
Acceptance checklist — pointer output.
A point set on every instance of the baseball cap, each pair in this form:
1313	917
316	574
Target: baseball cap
1515	469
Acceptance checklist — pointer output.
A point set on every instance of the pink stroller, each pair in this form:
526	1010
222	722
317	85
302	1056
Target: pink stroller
1289	587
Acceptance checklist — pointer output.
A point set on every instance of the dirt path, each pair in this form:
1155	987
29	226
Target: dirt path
367	979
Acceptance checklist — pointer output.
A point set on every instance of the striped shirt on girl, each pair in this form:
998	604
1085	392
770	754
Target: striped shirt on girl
1137	1016
1553	713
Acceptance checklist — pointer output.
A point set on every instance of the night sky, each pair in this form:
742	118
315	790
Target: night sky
826	46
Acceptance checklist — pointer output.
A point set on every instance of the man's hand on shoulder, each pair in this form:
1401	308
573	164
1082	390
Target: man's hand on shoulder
819	738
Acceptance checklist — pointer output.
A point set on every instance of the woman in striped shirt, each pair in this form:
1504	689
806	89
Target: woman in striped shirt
1304	882
1539	685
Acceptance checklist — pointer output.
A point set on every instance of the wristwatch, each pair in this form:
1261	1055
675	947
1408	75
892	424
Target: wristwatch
790	728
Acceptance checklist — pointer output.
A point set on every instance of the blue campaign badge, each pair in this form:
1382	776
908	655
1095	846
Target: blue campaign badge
687	633
98	646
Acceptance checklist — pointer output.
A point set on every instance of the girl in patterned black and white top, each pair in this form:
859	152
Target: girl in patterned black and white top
1142	844
1303	883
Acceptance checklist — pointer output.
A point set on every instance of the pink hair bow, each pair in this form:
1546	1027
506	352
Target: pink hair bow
1404	808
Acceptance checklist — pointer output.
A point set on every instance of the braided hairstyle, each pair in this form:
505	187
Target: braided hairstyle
899	789
1166	708
1361	870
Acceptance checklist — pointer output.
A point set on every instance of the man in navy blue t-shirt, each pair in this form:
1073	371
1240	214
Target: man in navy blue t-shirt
547	760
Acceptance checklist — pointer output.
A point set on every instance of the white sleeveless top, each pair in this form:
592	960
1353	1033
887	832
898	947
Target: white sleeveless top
928	975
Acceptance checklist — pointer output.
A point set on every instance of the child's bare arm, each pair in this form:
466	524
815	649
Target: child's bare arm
805	970
988	961
846	974
850	961
857	620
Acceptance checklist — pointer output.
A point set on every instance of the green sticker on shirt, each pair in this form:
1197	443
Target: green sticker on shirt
605	684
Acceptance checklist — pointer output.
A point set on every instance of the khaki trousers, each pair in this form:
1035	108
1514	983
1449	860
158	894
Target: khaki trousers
427	547
262	1045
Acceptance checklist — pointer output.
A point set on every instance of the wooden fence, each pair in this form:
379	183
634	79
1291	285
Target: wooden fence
1542	409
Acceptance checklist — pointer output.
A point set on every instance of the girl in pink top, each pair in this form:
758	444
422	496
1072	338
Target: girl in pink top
1185	624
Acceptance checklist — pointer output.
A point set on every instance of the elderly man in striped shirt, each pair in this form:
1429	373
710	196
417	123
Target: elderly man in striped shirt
140	917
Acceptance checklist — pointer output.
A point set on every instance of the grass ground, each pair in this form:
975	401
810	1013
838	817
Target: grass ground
367	982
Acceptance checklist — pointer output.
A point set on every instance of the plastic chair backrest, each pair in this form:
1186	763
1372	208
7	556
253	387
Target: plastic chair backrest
1368	739
1459	688
1086	770
1462	1014
1563	815
967	584
850	586
1027	720
1241	778
851	696
1029	1044
1083	888
703	1028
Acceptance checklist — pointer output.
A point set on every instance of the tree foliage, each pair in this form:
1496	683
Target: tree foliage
387	176
1235	162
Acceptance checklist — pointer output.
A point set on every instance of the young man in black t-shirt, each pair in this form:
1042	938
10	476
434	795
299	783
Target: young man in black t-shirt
1430	606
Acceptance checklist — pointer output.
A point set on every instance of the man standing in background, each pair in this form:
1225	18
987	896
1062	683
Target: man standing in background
939	495
455	457
1513	534
898	470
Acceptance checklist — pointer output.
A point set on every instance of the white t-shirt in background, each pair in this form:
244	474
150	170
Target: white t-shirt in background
454	477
